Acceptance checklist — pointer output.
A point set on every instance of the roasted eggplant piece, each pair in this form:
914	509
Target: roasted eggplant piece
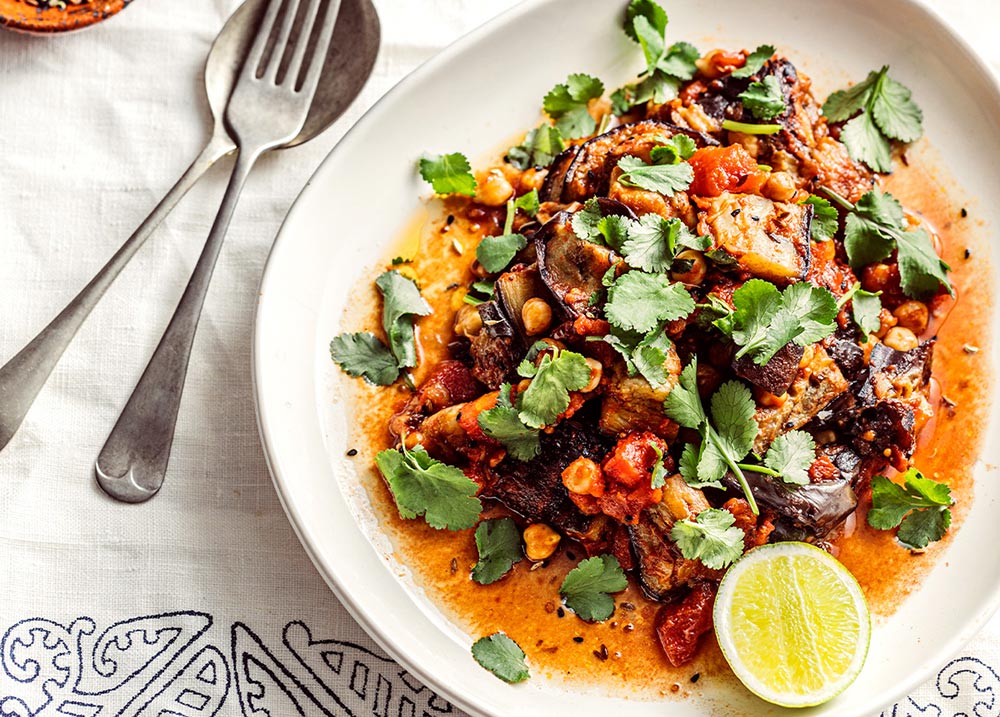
767	239
534	489
777	375
663	571
816	385
816	508
570	267
585	171
631	404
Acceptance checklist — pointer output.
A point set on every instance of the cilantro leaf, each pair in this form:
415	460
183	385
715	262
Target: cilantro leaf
653	242
613	230
421	485
496	252
882	110
640	301
791	454
755	61
875	225
585	221
499	545
683	404
733	409
903	505
662	178
688	466
528	203
764	100
711	538
548	394
501	656
867	308
658	476
645	355
401	301
567	104
814	307
826	218
655	15
362	354
503	423
539	148
449	174
673	150
586	587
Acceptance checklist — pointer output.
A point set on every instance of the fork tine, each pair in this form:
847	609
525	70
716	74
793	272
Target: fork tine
256	53
303	42
318	58
281	43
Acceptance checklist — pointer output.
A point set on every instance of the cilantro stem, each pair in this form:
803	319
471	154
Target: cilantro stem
508	224
848	296
759	469
748	128
837	198
735	468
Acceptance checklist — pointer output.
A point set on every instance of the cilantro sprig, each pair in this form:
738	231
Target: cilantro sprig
667	66
920	508
875	226
662	176
566	103
826	218
363	354
755	61
880	110
547	395
501	656
499	545
765	320
640	302
421	485
711	538
587	588
503	423
539	148
866	307
644	355
496	252
764	99
449	174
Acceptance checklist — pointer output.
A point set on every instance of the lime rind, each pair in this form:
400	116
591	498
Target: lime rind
785	660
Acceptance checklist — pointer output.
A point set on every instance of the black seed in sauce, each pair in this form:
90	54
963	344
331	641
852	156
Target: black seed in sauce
454	565
451	287
756	219
627	606
964	212
601	654
696	676
968	253
578	639
353	452
734	213
570	555
560	613
450	219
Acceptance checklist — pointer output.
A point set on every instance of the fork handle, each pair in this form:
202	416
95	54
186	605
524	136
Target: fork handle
133	462
22	378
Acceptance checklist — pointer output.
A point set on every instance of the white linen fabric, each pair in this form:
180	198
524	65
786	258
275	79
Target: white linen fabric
201	601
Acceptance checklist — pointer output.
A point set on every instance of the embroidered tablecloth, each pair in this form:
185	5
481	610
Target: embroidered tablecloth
202	601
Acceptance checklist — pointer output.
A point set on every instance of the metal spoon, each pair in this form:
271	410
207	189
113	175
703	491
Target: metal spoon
268	109
347	67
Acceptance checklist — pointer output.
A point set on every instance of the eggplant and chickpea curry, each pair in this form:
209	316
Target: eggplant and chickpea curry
703	327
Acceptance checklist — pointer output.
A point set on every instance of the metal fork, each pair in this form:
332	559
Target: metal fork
266	110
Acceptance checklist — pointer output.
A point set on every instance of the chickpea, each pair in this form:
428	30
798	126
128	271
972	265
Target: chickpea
492	188
596	370
536	315
540	541
901	339
912	315
886	322
532	179
780	187
412	439
583	476
468	322
696	274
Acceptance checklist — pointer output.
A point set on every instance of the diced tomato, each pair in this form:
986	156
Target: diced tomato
469	418
586	326
756	529
680	625
823	469
631	463
725	169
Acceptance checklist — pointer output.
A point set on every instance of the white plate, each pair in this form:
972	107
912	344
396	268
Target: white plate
477	93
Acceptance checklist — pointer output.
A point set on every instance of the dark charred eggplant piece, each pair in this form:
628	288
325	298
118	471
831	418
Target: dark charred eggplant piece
663	571
552	187
586	172
896	374
494	356
721	101
850	357
816	508
768	239
570	267
815	386
534	489
776	375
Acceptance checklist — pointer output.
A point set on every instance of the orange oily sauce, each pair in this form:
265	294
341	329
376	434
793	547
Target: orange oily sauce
622	655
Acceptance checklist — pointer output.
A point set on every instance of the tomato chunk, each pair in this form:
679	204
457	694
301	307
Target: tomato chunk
725	169
680	625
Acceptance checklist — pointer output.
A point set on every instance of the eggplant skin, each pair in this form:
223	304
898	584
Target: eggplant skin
584	171
777	375
534	489
570	267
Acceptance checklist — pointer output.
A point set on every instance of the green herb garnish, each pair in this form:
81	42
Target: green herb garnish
638	301
401	301
540	147
547	396
363	354
711	538
755	61
920	507
499	545
764	100
826	218
587	587
449	174
663	178
503	423
501	656
790	455
567	104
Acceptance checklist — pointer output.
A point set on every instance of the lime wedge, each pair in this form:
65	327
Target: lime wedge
793	624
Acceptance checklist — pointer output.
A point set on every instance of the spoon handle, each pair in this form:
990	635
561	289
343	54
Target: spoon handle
22	378
133	462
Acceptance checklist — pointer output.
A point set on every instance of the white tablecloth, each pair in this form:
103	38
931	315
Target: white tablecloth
202	601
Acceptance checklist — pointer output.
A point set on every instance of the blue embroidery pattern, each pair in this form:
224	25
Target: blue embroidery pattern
170	665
